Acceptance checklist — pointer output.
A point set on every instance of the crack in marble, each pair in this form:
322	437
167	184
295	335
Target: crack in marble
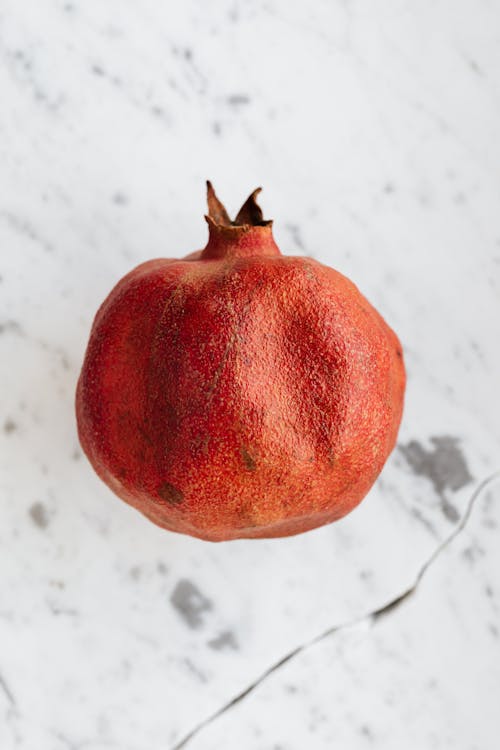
375	616
7	691
395	603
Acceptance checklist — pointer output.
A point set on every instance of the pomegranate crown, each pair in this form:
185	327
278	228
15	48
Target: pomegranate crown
250	214
248	235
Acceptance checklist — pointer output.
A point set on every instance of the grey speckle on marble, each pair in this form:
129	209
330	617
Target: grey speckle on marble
191	604
445	466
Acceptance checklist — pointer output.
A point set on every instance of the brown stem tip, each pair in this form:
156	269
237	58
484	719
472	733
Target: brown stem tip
250	214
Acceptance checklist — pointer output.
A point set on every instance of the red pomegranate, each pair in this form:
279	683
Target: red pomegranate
239	392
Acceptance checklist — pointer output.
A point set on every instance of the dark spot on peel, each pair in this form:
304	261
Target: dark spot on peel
200	444
143	432
248	460
39	515
170	494
190	603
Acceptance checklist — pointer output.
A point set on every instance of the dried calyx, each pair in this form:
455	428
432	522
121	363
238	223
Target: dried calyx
248	235
250	214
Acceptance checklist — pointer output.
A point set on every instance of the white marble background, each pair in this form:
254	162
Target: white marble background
374	129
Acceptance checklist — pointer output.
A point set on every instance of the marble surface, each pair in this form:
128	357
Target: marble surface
373	128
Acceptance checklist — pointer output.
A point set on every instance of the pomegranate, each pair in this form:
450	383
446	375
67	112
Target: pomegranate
239	392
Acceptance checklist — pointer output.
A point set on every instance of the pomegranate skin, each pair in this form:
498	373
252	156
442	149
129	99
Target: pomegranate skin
239	392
